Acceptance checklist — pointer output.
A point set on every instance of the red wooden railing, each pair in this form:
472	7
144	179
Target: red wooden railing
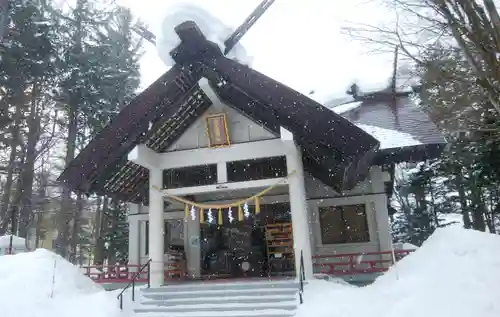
123	273
357	263
336	264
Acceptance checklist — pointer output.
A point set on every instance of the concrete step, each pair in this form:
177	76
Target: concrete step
269	313
217	307
159	294
200	286
256	299
263	298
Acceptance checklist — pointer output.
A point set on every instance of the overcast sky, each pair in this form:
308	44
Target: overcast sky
297	42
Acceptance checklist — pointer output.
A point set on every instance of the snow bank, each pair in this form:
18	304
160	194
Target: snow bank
213	29
42	284
17	242
454	274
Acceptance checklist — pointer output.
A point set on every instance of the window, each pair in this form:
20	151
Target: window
190	176
343	224
249	170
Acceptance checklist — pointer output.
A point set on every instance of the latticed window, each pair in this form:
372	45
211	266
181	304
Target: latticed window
343	224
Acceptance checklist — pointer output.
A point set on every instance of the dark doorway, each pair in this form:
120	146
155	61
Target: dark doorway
242	248
233	250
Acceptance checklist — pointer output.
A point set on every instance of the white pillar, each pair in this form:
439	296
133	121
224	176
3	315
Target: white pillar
298	205
379	204
192	247
156	227
133	237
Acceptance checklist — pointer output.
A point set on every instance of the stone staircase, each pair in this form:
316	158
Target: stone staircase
263	298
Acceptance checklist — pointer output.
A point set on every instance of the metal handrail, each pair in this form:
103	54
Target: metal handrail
302	277
120	296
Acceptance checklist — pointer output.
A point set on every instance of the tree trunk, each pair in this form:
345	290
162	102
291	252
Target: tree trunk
76	230
65	213
462	198
28	173
11	169
478	211
99	244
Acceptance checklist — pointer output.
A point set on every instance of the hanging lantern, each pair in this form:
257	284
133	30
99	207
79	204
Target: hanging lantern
193	213
245	210
230	215
210	216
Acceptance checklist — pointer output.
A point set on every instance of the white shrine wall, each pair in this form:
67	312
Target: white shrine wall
249	140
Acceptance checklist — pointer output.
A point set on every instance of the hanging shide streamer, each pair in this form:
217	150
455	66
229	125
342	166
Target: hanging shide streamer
210	216
193	213
237	204
230	215
246	213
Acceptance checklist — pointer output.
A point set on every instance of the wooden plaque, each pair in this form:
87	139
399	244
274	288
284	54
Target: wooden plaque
217	131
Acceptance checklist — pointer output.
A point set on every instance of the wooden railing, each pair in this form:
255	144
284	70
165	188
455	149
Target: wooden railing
357	263
124	273
335	264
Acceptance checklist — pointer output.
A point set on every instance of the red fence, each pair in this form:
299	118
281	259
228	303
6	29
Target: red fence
337	264
357	263
124	273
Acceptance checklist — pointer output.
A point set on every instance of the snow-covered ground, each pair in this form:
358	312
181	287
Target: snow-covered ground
456	273
42	284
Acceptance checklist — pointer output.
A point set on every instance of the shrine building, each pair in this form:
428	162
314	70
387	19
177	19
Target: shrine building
229	173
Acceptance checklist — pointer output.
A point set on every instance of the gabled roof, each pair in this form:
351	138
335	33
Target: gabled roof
390	118
335	150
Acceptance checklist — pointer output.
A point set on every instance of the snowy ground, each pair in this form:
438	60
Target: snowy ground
456	273
42	284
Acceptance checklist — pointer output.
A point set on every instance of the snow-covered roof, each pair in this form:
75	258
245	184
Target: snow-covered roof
346	107
213	29
389	138
402	125
17	242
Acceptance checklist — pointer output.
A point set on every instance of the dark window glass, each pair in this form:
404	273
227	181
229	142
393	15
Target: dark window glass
248	170
343	224
190	176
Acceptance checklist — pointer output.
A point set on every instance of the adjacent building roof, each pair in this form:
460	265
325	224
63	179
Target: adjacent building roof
335	151
405	131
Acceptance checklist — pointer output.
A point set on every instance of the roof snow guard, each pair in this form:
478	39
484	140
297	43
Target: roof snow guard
334	150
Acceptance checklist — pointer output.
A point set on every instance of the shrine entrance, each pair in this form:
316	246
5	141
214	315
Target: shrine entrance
259	246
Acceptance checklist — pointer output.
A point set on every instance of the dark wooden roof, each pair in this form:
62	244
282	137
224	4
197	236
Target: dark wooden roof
334	150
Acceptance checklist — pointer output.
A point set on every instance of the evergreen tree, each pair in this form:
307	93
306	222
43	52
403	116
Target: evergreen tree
101	74
116	237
